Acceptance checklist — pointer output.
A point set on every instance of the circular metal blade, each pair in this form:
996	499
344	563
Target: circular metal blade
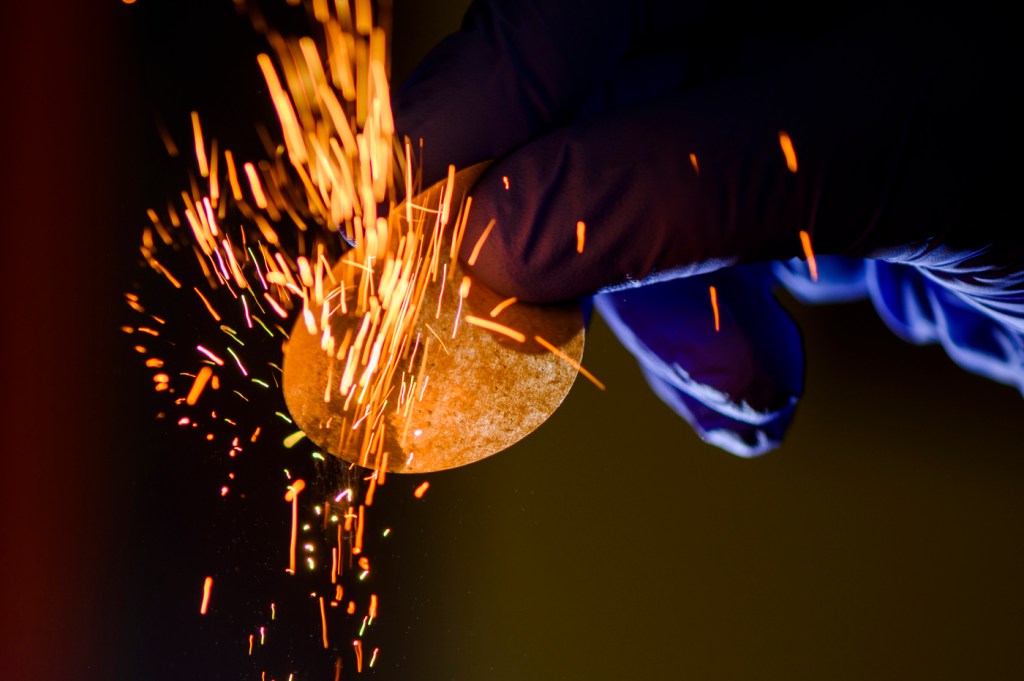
477	391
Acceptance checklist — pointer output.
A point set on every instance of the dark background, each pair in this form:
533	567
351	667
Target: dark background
882	541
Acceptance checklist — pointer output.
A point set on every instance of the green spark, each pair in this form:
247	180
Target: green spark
293	439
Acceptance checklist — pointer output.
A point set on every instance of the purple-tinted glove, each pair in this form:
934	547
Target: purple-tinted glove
658	122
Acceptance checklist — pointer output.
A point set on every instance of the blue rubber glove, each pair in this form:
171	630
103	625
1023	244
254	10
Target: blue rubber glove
658	122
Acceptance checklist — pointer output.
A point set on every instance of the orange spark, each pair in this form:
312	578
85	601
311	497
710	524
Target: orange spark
581	235
207	586
812	264
480	243
292	495
421	490
357	547
373	606
787	149
197	132
496	327
323	623
198	384
359	654
504	179
714	306
371	488
274	304
500	307
576	365
254	184
693	162
236	189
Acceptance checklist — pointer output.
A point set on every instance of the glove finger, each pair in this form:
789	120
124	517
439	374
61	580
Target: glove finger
863	111
922	311
736	437
750	371
839	279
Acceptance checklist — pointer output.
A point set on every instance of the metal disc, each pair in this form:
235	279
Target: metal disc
478	393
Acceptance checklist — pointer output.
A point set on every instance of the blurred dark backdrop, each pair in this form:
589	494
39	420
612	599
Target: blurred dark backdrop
882	541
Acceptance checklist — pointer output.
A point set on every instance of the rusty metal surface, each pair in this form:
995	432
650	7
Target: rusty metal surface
485	391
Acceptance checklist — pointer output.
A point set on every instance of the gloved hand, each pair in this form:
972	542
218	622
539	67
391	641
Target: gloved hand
661	124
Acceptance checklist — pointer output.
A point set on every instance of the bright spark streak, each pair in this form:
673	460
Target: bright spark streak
812	264
788	151
238	362
214	358
293	439
323	623
274	304
581	235
496	327
714	306
198	384
359	655
254	184
293	496
421	490
245	308
480	243
207	587
197	133
579	367
500	307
